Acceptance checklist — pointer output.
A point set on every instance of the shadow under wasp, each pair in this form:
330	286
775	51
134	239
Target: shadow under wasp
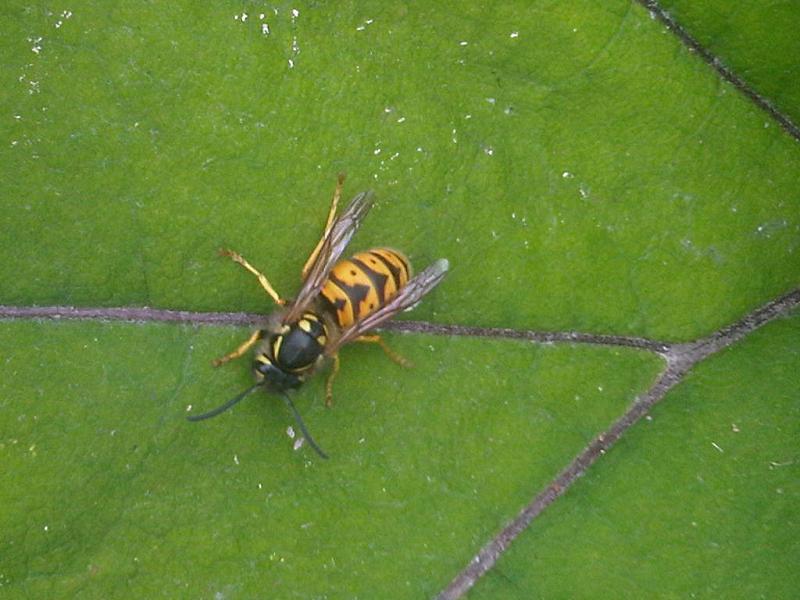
338	302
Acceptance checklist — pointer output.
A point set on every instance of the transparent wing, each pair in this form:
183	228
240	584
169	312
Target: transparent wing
407	297
333	245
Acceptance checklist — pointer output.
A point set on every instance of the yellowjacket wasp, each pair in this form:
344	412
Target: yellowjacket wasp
339	302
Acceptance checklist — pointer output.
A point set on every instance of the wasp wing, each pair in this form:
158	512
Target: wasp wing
339	235
406	298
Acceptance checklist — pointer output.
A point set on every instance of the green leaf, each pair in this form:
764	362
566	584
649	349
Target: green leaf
108	487
701	500
590	164
578	166
756	41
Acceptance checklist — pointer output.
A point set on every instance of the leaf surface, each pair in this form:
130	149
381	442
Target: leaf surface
577	165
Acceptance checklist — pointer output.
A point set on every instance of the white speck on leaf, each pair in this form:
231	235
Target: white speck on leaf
774	465
363	26
37	44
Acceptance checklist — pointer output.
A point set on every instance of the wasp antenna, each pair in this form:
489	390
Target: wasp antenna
226	406
302	425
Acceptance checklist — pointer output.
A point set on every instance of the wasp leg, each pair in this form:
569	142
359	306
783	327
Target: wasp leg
329	382
331	214
262	279
240	350
376	339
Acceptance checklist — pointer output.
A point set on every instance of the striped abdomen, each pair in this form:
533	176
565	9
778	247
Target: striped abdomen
362	284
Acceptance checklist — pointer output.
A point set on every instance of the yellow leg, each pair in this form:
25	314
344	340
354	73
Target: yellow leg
329	382
376	339
239	351
262	279
331	214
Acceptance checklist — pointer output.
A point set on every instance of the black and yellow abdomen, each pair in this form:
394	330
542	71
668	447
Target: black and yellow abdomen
364	283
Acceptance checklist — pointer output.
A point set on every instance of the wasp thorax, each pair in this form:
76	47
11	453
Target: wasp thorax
299	348
291	352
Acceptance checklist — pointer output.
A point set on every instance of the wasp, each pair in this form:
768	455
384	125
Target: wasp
339	302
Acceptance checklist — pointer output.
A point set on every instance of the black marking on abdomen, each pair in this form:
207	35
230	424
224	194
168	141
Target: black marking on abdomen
378	280
355	293
395	271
